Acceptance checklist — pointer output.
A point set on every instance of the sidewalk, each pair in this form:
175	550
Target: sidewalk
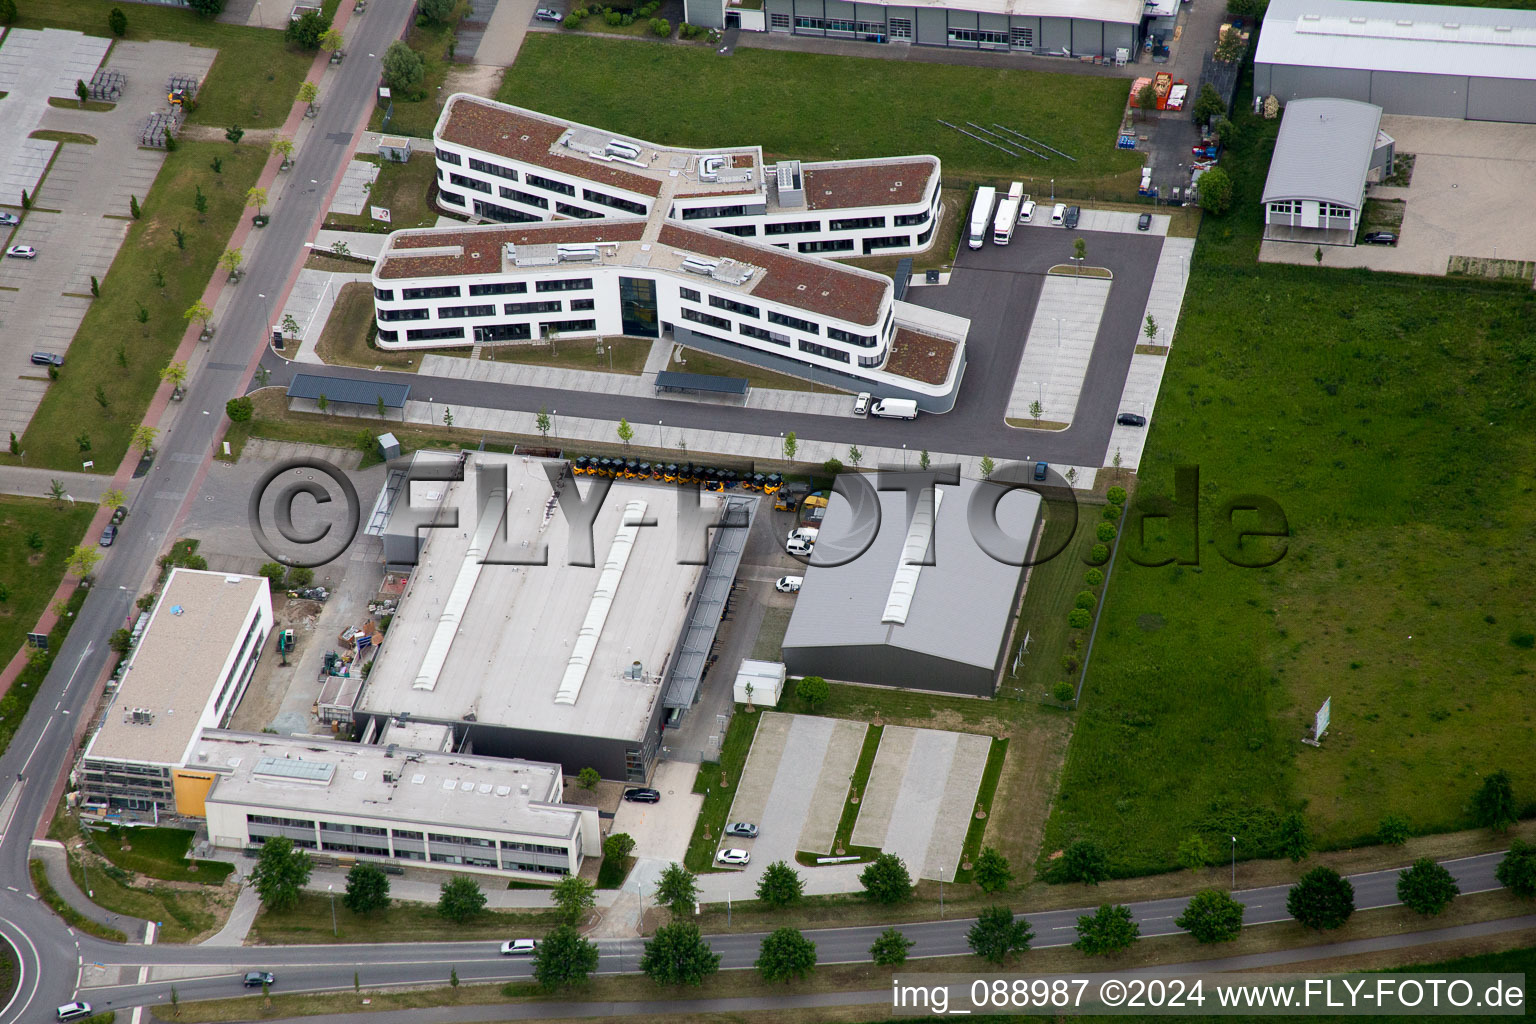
310	303
56	866
423	890
1058	348
1145	377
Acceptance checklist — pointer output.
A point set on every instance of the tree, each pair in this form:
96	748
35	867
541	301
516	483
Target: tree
855	456
282	146
459	899
82	90
180	236
274	572
625	431
330	40
1146	99
1036	410
1107	930
143	438
1323	899
1493	806
785	955
780	885
95	287
1194	852
1150	330
1209	103
112	499
367	889
832	467
1427	887
199	311
378	401
1084	862
280	873
239	410
987	467
997	935
791	445
26	200
813	690
677	889
992	871
563	959
1215	191
541	421
234	133
1517	871
447	417
618	845
574	896
117	21
7	12
305	30
678	955
133	206
256	196
1079	250
207	8
1212	915
101	396
322	403
588	778
890	949
923	459
120	641
262	376
1394	830
886	880
1295	841
200	200
217	165
1229	47
403	67
57	491
309	92
436	11
231	259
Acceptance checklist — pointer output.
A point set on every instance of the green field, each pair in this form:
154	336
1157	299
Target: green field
814	107
1390	418
158	853
252	82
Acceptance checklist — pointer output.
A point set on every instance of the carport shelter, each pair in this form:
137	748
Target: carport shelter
1326	152
346	395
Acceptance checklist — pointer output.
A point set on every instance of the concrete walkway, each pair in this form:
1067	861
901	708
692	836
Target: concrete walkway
241	916
310	303
1145	376
356	183
1058	348
36	483
56	866
504	32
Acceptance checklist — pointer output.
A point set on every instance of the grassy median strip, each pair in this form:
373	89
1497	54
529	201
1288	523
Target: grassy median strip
310	923
129	334
72	917
859	784
984	793
717	798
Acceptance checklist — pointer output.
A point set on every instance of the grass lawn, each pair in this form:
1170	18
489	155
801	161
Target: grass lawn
159	853
619	355
310	923
417	118
252	82
184	914
778	99
697	361
72	408
402	189
72	917
717	799
1390	418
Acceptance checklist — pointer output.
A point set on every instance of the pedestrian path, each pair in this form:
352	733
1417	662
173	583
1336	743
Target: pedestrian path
310	304
1059	346
1144	379
356	183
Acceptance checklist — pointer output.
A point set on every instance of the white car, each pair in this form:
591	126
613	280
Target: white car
799	545
861	404
9	220
548	14
519	947
789	584
735	858
1027	211
22	252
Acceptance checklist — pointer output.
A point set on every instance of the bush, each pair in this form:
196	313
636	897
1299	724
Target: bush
1063	692
239	410
301	576
1084	862
207	8
403	67
275	574
1099	555
574	19
7	11
612	18
1112	512
1070	662
117	21
1078	618
1105	532
1493	806
1215	191
1094	577
1086	599
627	20
1394	830
661	27
1115	495
305	30
436	12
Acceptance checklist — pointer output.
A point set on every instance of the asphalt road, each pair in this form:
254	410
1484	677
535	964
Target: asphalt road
997	287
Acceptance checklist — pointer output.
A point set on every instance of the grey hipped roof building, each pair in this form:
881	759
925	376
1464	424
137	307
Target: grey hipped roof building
880	620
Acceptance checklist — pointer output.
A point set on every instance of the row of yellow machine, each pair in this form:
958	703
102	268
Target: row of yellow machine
708	477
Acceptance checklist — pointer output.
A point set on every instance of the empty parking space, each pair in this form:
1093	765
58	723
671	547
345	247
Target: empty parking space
826	807
920	797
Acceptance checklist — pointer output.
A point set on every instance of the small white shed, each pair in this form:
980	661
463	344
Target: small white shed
766	679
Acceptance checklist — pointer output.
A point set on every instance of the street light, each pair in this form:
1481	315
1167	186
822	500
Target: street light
1234	862
332	890
1058	330
941	892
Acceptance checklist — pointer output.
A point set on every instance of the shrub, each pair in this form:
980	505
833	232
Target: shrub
275	573
661	27
1094	577
1084	862
1105	532
117	21
1115	495
1394	830
7	11
403	67
239	409
301	576
627	20
1112	511
436	11
1070	662
305	30
1099	555
574	19
1493	806
1215	191
1078	618
1086	599
1063	692
612	18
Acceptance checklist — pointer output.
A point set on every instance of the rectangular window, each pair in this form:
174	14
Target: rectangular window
830	245
982	36
637	307
689	294
462	312
1022	38
778	22
822	350
710	212
907	220
435	334
869	28
499	288
734	306
450	291
792	227
526	198
862	340
857	223
793	321
740	230
451	198
449	158
390	316
401	833
575	211
474	184
603	199
504	332
486	167
518	308
549	185
568	326
388	335
497	212
577	305
567	284
772	337
384	294
922	239
887	242
707	319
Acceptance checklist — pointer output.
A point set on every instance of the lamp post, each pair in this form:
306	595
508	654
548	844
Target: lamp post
903	455
1234	863
1058	330
332	890
941	892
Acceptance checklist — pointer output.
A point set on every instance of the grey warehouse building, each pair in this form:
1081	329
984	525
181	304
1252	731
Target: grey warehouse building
1473	63
1325	153
885	619
1065	28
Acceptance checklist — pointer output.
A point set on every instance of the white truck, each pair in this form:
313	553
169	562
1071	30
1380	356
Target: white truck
981	215
895	408
1008	214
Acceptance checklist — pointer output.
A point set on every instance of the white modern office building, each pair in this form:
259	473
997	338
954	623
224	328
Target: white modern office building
426	809
191	665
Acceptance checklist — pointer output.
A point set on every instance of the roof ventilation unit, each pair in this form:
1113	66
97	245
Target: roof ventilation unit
699	265
790	182
709	167
577	253
623	150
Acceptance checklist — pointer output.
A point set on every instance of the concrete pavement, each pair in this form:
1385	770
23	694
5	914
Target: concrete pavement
1144	378
1058	348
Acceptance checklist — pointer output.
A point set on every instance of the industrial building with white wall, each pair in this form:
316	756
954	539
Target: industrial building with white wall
1472	63
1326	152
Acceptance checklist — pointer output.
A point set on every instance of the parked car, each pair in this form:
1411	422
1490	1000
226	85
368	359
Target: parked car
22	252
1041	469
47	359
547	14
741	828
73	1011
1058	213
789	584
861	404
108	535
519	947
735	858
256	979
809	533
642	795
1144	222
1379	238
799	545
1073	213
9	219
1131	419
1027	211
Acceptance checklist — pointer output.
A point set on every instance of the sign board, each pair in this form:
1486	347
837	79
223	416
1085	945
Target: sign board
1320	724
379	213
38	640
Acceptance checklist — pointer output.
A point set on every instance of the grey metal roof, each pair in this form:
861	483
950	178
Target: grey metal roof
1323	151
668	380
1423	39
345	389
962	603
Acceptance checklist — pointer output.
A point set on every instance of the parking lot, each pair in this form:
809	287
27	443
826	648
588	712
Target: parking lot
1469	196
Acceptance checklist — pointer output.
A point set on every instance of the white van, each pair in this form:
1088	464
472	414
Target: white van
1058	215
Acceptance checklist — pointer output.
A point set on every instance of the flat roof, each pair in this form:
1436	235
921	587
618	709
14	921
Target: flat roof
477	251
346	389
958	608
320	776
497	641
1323	151
850	184
173	672
1481	42
675	380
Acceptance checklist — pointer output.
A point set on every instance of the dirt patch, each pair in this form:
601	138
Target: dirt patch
479	79
1022	802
